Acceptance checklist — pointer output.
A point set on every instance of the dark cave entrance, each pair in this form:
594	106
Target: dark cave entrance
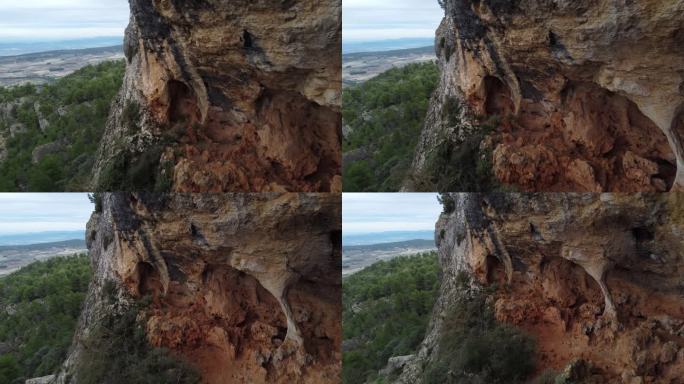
498	100
496	272
149	281
182	103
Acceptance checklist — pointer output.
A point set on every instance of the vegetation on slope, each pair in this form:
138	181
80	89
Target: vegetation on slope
39	308
51	133
386	308
118	350
459	164
383	118
476	349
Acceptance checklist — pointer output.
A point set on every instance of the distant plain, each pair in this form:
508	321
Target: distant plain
43	67
358	257
13	257
361	66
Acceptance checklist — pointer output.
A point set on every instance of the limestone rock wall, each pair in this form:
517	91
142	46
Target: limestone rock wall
229	96
593	277
245	287
585	95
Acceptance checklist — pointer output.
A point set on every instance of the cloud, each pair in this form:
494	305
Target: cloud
367	20
39	212
62	19
383	212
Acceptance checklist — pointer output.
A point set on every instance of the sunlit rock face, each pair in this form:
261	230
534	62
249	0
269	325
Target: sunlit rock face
585	95
592	277
245	287
230	96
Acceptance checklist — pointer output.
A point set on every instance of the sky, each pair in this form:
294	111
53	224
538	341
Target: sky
369	20
363	20
386	212
43	212
61	19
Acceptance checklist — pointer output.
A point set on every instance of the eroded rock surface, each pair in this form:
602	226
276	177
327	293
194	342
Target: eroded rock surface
245	287
587	95
595	278
229	96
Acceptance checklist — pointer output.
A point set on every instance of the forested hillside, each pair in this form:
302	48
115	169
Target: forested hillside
386	311
386	308
49	134
39	308
382	120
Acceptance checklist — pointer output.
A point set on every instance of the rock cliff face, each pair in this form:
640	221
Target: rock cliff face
229	96
586	95
593	277
245	287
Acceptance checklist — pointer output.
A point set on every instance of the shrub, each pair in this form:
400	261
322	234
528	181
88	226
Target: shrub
130	115
456	163
113	175
9	369
118	352
448	203
546	377
475	348
451	111
460	165
357	177
96	199
109	290
139	171
164	180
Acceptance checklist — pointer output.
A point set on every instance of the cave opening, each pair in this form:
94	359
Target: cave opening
149	281
233	316
238	299
642	234
567	283
247	40
644	238
495	272
182	103
498	100
582	137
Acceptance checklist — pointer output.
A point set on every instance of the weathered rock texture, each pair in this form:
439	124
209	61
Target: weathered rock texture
594	277
246	287
589	95
236	95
